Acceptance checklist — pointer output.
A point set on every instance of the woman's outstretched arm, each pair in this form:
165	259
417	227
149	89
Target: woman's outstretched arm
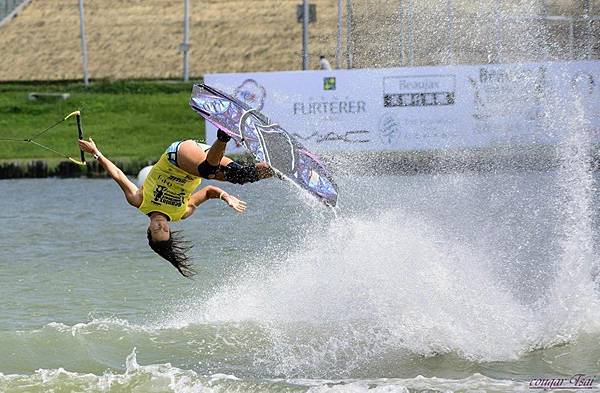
131	191
213	192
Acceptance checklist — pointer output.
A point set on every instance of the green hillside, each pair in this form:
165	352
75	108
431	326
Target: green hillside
134	120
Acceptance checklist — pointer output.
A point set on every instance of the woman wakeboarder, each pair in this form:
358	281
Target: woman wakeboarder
168	195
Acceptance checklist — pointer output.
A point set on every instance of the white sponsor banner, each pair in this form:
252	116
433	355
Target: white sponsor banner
424	108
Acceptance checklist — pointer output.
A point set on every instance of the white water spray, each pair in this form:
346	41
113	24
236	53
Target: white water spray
573	296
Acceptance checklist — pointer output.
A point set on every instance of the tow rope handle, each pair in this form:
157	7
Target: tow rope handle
77	115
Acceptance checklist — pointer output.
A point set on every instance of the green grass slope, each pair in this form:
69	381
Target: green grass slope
128	120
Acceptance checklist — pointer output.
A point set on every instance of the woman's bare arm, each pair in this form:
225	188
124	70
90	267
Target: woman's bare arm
132	192
213	192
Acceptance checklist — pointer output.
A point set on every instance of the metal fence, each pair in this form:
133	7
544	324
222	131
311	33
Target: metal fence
350	33
409	32
7	7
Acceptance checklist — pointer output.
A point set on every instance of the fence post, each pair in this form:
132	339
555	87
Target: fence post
571	39
349	32
498	39
305	20
401	32
84	54
338	47
588	26
450	11
411	33
186	40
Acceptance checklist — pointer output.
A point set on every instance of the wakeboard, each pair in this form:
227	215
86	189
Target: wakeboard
266	141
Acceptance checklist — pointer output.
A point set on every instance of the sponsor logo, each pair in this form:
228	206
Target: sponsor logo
393	131
329	83
162	195
513	93
498	75
389	130
357	136
426	90
329	107
180	180
251	93
158	193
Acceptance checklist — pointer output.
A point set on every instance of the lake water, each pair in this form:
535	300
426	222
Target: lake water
457	282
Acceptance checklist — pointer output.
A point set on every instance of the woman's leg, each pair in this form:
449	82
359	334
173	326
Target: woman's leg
235	172
215	153
191	158
195	161
189	155
209	167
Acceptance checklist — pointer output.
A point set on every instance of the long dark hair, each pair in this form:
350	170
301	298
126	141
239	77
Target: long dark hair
175	251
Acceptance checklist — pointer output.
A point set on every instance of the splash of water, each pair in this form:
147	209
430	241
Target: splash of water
370	288
375	287
573	297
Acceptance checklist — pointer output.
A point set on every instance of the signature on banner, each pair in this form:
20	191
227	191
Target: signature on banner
357	136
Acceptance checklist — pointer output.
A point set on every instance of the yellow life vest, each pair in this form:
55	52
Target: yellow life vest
167	190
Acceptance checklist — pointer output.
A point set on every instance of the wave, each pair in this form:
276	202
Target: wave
374	295
155	378
351	306
167	378
388	286
103	343
385	295
253	350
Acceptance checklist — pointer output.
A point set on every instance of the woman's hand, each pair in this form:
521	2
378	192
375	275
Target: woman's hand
234	203
88	146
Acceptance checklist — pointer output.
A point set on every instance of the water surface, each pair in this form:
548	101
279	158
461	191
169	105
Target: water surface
442	282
